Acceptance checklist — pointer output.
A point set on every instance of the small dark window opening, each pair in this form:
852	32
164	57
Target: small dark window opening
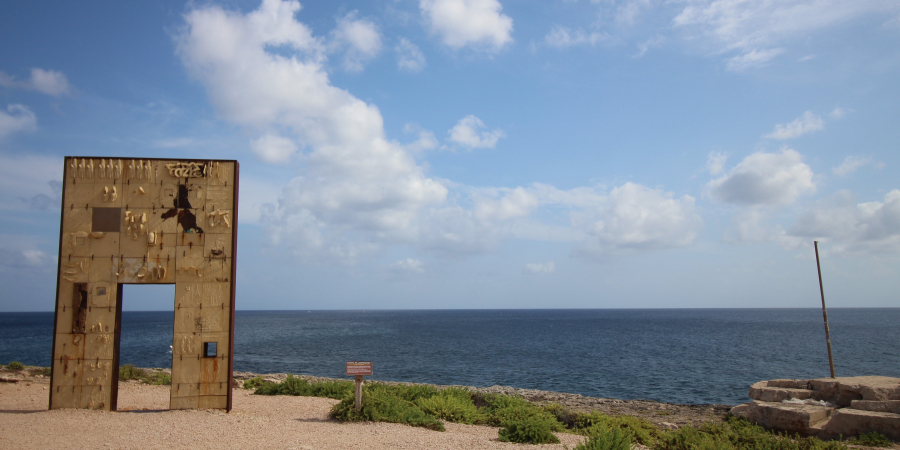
106	219
209	349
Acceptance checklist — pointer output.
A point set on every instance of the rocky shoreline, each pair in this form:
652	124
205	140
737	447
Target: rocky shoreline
664	415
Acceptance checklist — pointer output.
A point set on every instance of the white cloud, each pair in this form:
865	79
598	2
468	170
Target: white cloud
475	23
635	217
274	149
408	265
562	37
467	132
409	57
752	58
806	123
354	178
18	118
849	227
425	141
850	164
715	162
541	268
360	40
758	30
49	82
516	203
838	113
175	142
765	179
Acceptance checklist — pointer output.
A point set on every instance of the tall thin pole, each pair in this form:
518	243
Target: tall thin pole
824	311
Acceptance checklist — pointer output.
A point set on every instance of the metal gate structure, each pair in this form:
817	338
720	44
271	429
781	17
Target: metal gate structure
145	221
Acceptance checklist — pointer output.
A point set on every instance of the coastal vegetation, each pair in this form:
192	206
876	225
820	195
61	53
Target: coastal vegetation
129	372
15	365
526	422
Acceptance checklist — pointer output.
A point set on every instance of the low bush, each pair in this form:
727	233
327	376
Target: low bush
157	378
129	372
452	404
873	439
503	409
612	439
15	365
255	383
384	403
297	386
528	430
597	423
737	433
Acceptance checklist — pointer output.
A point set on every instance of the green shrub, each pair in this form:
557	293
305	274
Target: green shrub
297	386
383	403
452	404
503	409
255	383
528	430
873	439
129	372
15	365
157	378
737	433
597	423
612	439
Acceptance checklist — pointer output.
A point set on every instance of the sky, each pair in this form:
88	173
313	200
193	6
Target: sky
436	154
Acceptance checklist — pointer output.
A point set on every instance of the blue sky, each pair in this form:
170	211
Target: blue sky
480	153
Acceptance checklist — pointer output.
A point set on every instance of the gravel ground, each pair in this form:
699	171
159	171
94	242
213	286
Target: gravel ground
255	422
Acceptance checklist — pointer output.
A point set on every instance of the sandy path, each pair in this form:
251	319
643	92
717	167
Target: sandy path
255	422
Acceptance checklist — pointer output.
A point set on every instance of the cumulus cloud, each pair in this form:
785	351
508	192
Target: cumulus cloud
504	204
360	40
635	217
468	133
765	179
49	82
851	227
17	118
409	57
474	23
804	124
273	148
562	37
354	177
408	265
715	162
359	192
851	164
541	268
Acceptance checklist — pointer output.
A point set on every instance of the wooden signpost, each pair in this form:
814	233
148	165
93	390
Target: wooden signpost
359	369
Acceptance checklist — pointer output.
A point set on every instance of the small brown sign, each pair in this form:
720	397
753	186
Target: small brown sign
359	367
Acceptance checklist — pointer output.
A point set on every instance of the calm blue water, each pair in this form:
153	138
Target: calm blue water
677	355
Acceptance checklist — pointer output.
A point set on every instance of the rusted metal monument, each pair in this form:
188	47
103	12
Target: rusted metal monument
145	221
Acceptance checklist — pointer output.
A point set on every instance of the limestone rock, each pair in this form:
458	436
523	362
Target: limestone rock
852	422
889	406
789	417
763	391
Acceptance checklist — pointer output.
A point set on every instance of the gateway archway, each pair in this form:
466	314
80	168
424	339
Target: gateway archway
143	221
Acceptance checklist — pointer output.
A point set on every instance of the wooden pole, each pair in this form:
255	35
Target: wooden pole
824	311
359	381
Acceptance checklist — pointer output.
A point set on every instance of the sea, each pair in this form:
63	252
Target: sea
686	356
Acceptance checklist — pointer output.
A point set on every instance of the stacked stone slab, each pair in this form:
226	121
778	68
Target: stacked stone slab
853	406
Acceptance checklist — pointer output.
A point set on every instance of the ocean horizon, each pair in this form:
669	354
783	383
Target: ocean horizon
676	355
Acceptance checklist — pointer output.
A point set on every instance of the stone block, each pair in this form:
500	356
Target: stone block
849	422
889	406
788	383
771	394
791	418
